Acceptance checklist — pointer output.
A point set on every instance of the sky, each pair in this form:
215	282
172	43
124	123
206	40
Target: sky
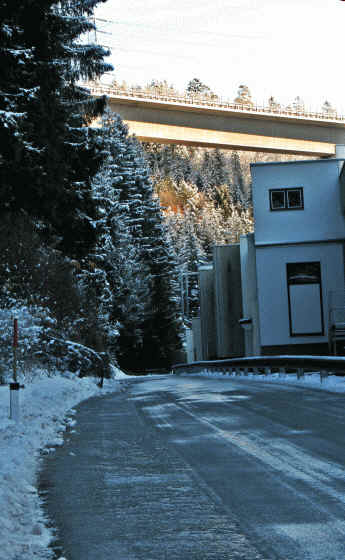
283	48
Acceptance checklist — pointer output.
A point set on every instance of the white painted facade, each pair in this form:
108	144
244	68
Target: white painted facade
295	311
273	298
322	217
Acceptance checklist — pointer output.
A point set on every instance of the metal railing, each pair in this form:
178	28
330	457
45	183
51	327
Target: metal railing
219	103
263	365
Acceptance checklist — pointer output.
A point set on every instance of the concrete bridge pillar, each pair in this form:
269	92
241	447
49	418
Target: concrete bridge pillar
340	151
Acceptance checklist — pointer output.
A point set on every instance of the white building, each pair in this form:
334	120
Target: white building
296	256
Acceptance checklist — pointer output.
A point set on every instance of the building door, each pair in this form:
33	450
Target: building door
305	299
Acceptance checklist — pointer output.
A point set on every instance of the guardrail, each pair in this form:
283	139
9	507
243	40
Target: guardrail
219	103
263	365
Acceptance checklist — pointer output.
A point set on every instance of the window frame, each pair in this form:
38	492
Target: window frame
286	190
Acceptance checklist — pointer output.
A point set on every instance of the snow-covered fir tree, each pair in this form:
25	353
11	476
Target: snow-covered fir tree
48	151
238	189
118	247
48	156
136	255
18	86
163	324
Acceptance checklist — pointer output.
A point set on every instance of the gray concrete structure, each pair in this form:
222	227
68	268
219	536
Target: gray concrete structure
207	312
250	296
196	326
228	299
340	151
190	345
223	127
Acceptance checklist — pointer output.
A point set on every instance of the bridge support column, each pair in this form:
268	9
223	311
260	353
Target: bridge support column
340	151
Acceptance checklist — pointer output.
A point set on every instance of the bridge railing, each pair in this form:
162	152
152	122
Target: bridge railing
264	365
198	100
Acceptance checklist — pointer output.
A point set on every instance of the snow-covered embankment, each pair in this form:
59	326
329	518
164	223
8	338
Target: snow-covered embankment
46	408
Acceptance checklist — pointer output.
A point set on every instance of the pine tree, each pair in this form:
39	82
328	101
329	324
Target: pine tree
206	170
221	175
51	154
18	85
223	200
196	86
193	255
238	184
135	252
163	324
118	247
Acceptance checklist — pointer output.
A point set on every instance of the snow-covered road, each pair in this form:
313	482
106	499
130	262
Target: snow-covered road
202	468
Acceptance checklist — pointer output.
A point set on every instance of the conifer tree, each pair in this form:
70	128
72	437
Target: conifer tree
193	255
163	324
119	227
220	173
196	86
48	150
238	183
135	251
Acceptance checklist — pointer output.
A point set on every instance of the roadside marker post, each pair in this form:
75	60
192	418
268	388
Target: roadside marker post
14	386
15	346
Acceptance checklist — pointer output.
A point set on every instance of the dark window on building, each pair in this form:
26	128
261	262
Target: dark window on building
277	200
305	299
295	198
303	273
286	199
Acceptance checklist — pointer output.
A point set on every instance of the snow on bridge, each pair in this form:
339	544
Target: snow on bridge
201	121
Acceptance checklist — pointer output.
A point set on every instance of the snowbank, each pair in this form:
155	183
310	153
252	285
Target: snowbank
46	407
312	380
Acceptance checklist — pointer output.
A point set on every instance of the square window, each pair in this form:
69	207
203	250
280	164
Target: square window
277	200
294	198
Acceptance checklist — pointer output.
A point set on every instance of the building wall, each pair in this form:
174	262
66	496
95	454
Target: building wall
196	326
273	289
207	313
250	295
190	351
228	299
322	217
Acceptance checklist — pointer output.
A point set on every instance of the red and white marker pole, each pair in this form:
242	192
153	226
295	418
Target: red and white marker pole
14	386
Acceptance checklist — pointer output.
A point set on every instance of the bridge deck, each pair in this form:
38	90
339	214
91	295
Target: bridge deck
213	123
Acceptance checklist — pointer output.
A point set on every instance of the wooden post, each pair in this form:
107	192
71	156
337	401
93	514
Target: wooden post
15	346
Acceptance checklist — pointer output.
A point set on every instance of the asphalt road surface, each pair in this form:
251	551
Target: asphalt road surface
194	468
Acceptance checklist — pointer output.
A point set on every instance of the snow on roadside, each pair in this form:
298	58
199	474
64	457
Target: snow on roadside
46	408
332	383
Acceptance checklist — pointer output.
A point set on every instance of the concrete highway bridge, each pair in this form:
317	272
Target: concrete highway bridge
196	121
